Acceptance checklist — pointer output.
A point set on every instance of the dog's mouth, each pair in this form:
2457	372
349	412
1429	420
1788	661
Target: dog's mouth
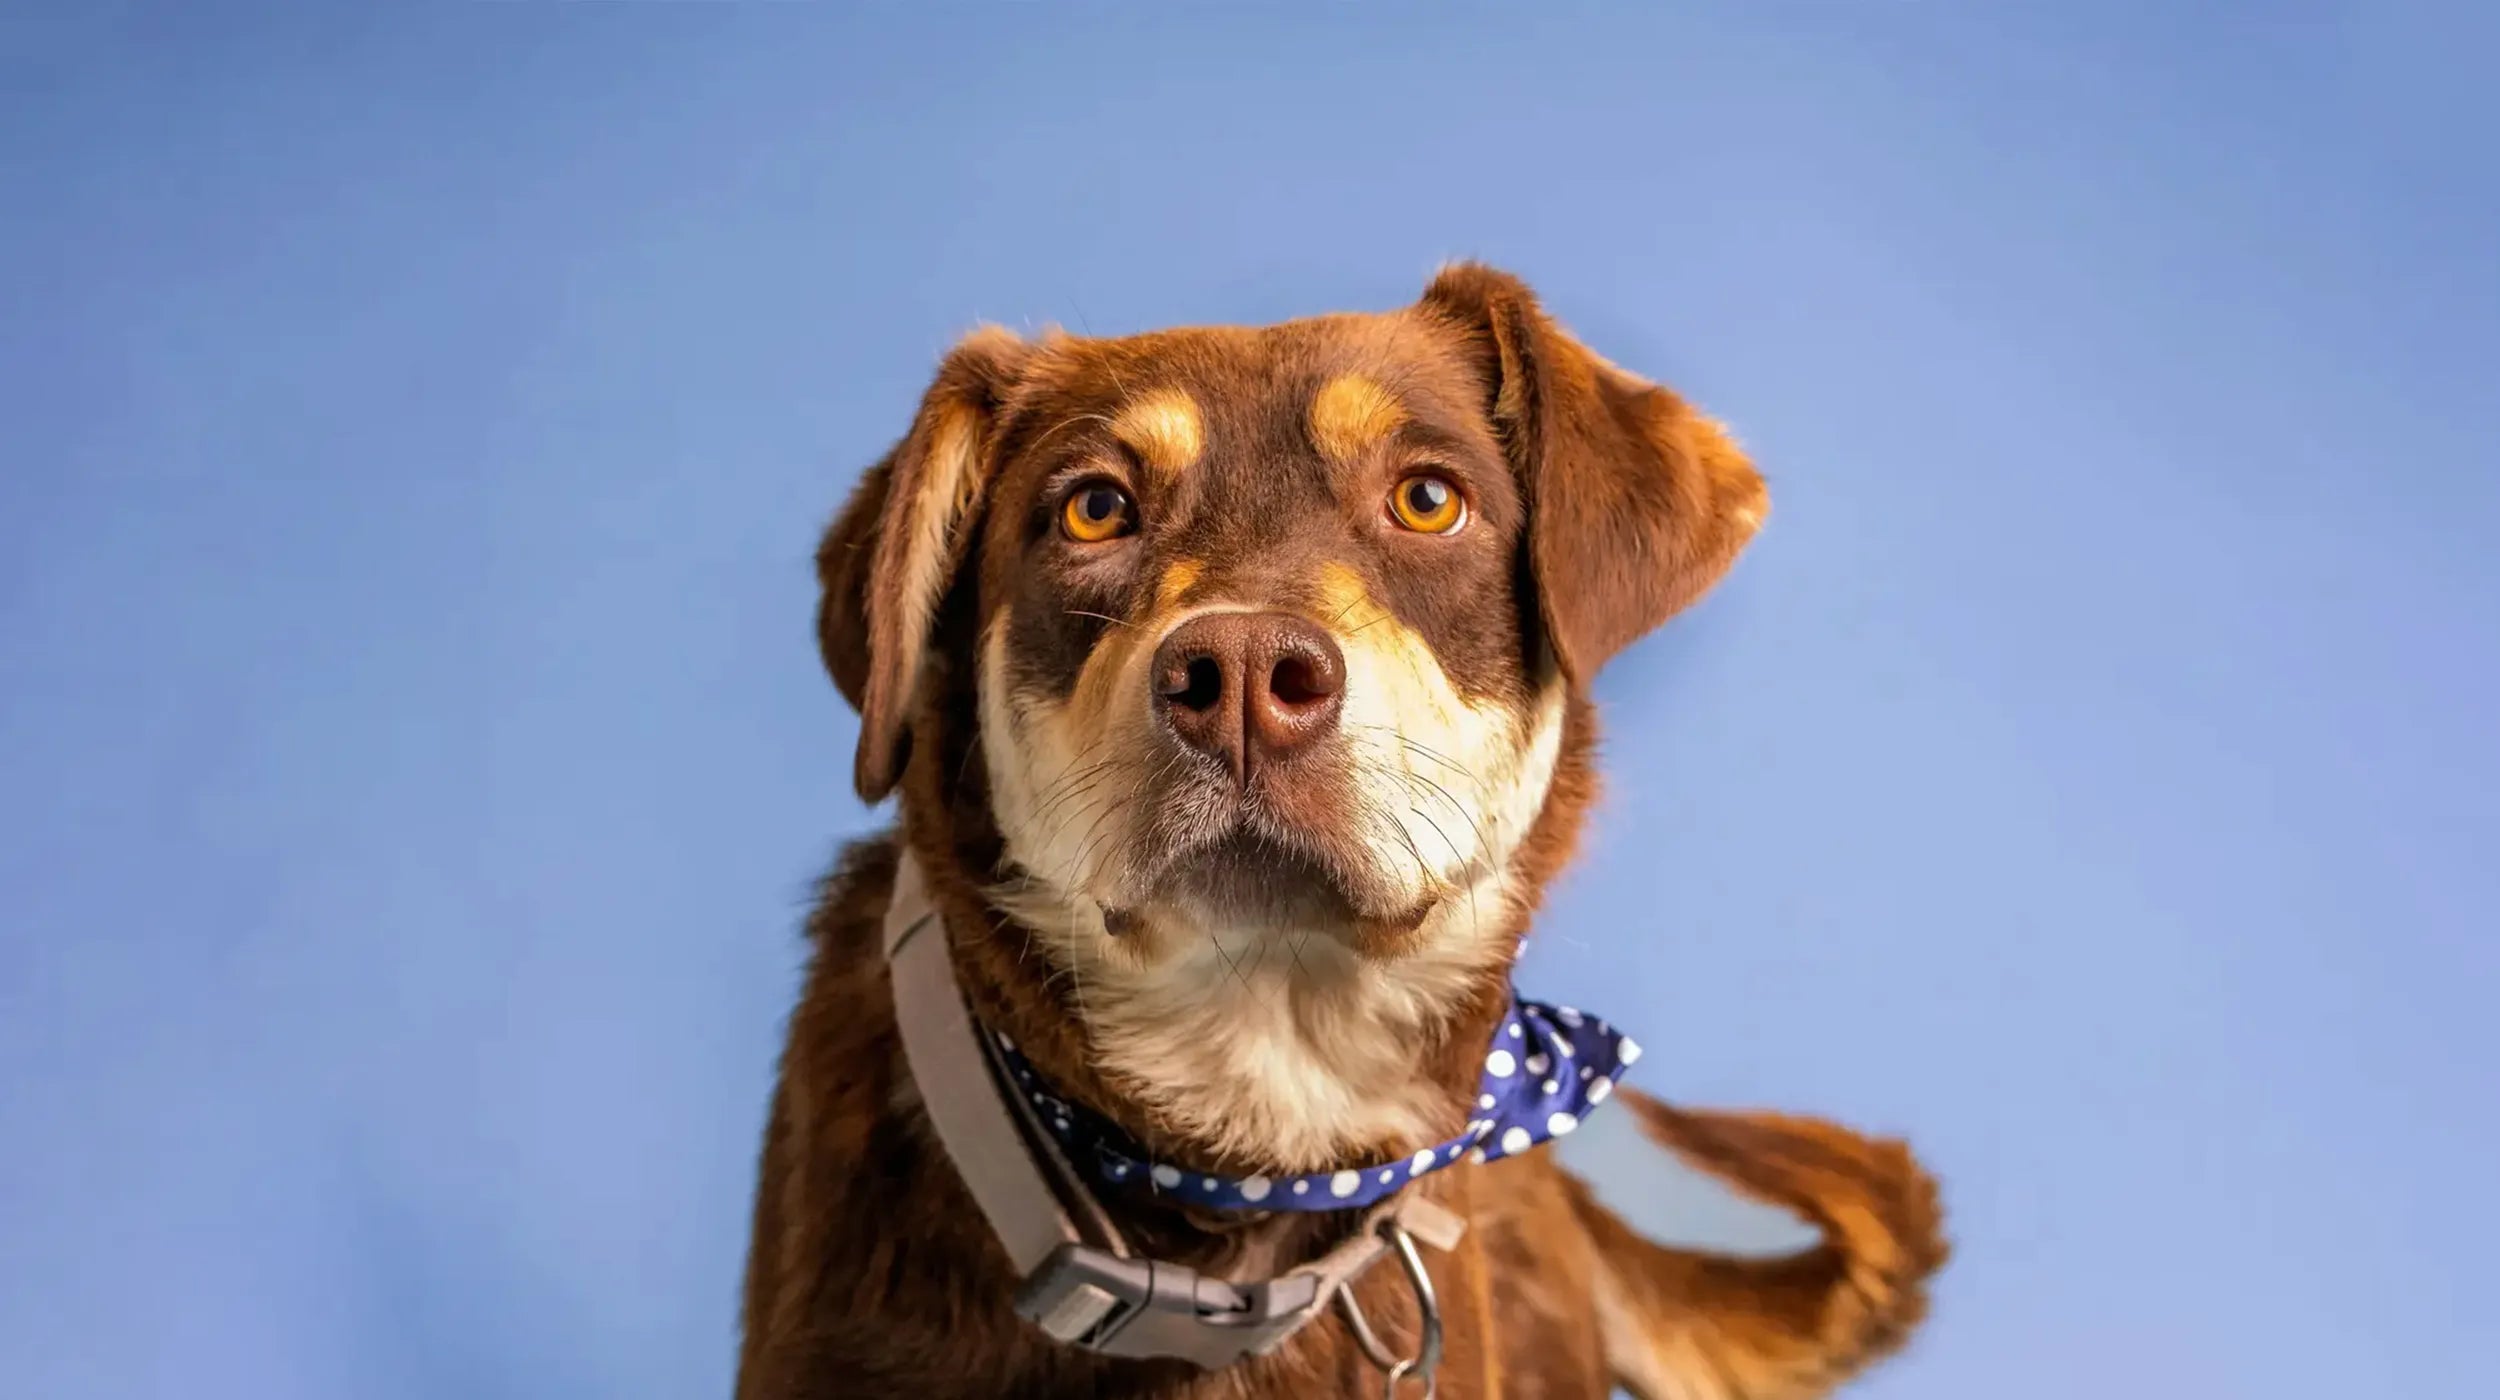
1233	860
1251	873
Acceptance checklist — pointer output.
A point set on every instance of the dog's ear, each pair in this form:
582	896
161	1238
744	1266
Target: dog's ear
1637	503
891	555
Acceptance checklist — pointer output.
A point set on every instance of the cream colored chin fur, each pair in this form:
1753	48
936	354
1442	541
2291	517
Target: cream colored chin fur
1277	1046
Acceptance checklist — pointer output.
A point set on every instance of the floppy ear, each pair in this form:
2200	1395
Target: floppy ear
1636	502
891	555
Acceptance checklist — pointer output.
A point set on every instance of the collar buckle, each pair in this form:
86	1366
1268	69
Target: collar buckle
1099	1297
1089	1298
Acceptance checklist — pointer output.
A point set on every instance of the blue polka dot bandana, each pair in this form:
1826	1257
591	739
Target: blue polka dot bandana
1547	1068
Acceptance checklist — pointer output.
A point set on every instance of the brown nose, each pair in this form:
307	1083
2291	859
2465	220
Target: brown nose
1248	688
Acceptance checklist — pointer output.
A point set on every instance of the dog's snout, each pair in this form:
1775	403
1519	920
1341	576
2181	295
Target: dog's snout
1249	688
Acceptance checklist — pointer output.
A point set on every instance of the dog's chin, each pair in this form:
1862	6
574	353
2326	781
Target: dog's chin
1249	882
1247	879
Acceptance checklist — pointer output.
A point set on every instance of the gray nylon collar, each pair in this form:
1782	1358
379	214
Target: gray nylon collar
1078	1279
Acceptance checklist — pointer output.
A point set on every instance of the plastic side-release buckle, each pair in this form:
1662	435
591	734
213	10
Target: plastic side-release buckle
1088	1298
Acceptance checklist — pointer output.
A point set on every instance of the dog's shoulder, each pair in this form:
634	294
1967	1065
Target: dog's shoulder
866	1253
872	1269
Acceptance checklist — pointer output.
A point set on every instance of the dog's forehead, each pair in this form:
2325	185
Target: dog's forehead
1262	460
1175	398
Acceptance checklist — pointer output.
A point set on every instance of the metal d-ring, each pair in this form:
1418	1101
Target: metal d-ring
1427	1357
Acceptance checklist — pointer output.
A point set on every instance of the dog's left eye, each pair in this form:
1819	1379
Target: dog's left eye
1427	503
1097	511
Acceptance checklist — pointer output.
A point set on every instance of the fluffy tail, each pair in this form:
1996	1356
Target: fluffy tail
1682	1325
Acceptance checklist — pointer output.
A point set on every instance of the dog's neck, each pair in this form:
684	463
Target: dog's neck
1248	1055
1282	1057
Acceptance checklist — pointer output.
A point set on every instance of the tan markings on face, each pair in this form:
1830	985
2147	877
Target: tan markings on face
1065	771
1176	581
1350	414
1287	1045
1460	779
1162	427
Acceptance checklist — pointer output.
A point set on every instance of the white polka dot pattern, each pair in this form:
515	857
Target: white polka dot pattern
1516	1111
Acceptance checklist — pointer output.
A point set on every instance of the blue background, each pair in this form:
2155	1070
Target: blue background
413	758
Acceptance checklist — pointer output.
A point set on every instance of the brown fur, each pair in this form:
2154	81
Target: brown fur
1602	505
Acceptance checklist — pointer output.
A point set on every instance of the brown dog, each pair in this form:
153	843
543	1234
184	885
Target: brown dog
1236	685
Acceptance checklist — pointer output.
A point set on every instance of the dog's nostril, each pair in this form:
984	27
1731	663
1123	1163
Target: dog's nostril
1295	682
1199	685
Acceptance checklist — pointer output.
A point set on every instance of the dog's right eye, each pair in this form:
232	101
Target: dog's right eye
1097	511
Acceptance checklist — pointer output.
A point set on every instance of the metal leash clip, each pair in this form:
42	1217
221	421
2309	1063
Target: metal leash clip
1427	1357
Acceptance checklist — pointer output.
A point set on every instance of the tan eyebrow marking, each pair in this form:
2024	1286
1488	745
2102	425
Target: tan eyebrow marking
1163	427
1350	413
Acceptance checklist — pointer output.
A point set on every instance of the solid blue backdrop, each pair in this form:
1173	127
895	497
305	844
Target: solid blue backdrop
413	756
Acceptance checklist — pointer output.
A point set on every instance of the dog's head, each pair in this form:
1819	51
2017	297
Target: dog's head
1213	641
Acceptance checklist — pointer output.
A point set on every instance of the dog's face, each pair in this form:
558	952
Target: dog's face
1257	665
1267	638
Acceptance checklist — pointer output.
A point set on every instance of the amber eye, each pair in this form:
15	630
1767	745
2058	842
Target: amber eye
1427	503
1097	511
